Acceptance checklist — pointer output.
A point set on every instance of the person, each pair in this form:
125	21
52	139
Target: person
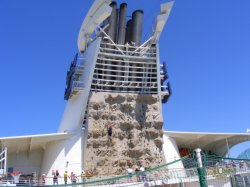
233	164
143	176
241	165
43	179
130	172
55	180
217	164
73	177
142	168
137	175
83	176
109	129
55	177
65	176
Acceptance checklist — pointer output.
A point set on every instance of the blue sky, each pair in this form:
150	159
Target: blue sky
206	45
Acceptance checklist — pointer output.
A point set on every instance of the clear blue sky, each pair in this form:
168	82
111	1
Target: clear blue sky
206	45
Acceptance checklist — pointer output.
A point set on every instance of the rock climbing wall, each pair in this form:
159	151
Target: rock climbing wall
137	133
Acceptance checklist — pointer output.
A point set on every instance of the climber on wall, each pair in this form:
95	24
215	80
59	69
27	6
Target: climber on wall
109	129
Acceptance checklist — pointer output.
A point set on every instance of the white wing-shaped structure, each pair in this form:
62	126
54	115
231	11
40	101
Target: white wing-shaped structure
162	19
99	11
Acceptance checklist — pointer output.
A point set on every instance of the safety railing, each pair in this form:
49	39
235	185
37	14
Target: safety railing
219	172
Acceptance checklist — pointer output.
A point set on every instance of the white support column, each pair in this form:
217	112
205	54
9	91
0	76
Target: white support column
158	70
198	156
5	161
159	79
1	171
228	150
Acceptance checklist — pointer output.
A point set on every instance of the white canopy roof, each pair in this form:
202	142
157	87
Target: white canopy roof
219	143
27	143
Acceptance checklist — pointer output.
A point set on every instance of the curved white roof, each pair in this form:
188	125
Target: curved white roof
219	143
27	143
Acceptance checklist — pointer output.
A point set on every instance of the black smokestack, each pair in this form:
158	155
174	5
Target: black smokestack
128	38
137	19
117	25
122	24
112	21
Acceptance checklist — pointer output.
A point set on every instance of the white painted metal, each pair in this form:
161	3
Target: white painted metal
99	11
198	156
171	152
109	38
3	161
127	56
6	160
127	61
122	91
215	142
166	7
28	143
111	75
26	163
111	65
162	19
158	74
127	45
119	81
76	106
58	154
132	52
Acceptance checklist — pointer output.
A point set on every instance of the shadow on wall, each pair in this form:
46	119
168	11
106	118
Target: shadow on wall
48	154
141	107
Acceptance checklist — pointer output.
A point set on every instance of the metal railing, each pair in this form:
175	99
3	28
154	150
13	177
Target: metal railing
220	172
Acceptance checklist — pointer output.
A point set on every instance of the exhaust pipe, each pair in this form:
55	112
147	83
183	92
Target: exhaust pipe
128	37
112	21
122	24
137	19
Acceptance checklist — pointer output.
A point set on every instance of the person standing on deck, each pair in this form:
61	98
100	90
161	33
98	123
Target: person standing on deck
130	173
56	175
43	179
83	176
65	176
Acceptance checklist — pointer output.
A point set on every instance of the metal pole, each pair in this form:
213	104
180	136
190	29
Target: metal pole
201	169
0	162
5	161
228	152
110	40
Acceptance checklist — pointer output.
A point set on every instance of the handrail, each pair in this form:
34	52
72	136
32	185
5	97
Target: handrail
160	174
135	72
123	76
127	56
126	61
109	49
122	66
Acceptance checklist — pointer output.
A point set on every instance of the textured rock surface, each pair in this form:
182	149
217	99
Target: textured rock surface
137	133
